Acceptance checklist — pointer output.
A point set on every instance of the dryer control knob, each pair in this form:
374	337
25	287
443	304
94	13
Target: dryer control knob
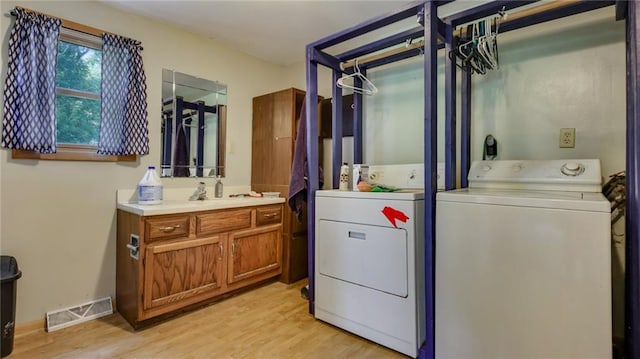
486	168
572	169
517	167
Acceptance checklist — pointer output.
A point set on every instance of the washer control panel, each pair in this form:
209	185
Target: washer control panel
582	175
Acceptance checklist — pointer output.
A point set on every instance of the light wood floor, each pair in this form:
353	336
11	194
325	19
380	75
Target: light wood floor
268	322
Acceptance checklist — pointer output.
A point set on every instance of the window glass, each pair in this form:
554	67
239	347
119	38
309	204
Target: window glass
78	120
78	78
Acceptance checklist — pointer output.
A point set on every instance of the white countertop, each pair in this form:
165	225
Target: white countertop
174	203
173	206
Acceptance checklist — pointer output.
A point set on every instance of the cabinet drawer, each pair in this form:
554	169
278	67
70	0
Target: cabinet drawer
268	215
167	227
223	221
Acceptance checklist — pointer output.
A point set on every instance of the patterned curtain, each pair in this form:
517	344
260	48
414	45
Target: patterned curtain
123	126
29	120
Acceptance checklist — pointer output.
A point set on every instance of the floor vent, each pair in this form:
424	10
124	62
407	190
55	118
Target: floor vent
81	313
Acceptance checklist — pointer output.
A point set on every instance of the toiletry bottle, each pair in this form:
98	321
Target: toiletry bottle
344	177
150	188
218	187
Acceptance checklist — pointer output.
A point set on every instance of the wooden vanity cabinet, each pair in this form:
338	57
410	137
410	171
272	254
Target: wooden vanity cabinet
191	258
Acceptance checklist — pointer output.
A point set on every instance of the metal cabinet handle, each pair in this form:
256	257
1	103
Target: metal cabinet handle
168	229
233	247
270	215
221	250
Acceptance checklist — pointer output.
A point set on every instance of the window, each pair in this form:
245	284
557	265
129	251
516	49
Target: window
78	107
78	79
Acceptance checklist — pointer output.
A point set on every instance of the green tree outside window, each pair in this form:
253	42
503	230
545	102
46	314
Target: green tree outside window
78	81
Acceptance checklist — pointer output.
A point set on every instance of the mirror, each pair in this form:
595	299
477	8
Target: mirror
193	142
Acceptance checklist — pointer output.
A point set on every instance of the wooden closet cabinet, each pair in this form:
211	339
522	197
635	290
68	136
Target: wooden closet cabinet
274	128
187	259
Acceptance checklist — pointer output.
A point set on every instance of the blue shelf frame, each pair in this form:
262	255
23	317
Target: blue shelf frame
438	33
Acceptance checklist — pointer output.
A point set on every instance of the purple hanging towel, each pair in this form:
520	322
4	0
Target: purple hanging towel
181	165
298	183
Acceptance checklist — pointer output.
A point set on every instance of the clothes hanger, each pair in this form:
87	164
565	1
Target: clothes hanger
485	47
190	116
348	82
479	50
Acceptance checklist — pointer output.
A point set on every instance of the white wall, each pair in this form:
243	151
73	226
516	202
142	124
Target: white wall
58	218
296	75
568	73
565	73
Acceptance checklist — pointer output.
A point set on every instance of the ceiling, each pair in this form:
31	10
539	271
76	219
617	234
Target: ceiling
273	30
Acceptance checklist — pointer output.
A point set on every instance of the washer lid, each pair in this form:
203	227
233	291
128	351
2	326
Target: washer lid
580	201
581	175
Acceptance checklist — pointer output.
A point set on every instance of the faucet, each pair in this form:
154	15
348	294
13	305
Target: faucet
200	194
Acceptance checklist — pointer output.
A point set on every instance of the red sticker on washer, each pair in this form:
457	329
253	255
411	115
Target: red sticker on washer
393	214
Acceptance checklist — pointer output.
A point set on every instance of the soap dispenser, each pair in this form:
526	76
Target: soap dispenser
218	189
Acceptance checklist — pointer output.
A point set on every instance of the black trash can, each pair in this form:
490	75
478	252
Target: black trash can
9	283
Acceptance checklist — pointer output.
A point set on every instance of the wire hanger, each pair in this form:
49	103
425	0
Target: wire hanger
348	82
190	116
478	51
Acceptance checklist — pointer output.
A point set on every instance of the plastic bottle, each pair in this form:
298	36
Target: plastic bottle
344	177
150	188
360	173
218	188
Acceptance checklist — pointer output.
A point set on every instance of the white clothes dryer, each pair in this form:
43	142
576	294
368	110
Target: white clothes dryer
369	268
523	263
369	259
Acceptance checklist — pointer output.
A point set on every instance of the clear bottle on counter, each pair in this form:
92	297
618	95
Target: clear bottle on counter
150	188
218	189
360	173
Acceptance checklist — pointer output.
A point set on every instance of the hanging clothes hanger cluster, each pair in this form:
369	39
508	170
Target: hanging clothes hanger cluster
478	48
349	82
189	116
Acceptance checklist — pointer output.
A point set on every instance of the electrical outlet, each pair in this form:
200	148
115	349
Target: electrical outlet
567	137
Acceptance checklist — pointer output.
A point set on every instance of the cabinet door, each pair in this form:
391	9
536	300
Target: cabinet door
326	117
254	252
182	272
262	139
298	257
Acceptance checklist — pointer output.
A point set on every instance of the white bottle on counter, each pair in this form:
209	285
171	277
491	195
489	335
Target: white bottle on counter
344	177
150	188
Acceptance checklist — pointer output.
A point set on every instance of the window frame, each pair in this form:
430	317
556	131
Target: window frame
73	152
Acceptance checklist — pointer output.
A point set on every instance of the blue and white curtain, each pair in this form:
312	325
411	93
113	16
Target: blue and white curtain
29	120
124	126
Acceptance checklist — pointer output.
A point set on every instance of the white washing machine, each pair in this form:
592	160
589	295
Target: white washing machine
369	260
523	263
